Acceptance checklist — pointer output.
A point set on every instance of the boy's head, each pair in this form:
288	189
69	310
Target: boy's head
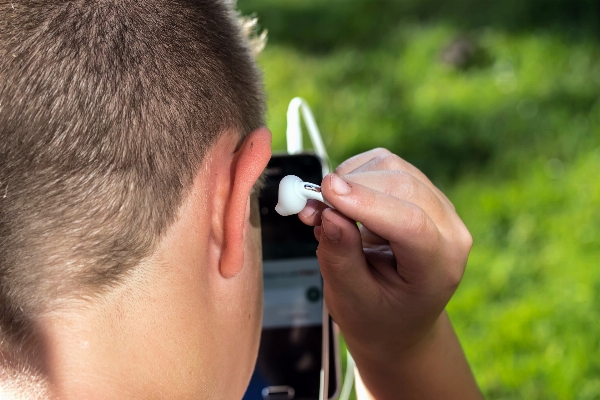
131	142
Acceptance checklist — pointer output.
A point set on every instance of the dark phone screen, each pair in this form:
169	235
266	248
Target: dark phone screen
290	347
287	237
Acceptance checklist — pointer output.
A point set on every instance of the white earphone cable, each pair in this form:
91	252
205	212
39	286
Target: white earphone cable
294	130
295	146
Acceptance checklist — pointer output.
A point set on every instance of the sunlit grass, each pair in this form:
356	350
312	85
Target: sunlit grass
528	307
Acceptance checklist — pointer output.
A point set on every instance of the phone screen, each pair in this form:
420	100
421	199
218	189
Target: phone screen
290	348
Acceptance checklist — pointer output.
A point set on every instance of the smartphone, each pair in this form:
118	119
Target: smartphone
289	357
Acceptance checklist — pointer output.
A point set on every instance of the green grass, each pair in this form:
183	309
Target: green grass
513	139
528	309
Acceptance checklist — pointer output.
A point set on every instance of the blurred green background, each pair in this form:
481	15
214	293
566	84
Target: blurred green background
498	102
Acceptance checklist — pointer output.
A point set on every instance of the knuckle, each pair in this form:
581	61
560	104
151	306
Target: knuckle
402	185
444	197
332	262
464	238
400	177
342	167
456	262
382	150
467	240
454	277
417	221
352	162
389	161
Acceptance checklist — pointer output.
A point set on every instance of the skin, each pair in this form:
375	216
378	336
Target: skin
387	283
186	323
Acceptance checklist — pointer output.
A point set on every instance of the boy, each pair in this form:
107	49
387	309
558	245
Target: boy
132	143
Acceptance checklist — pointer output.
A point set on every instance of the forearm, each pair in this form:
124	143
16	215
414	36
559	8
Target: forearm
435	369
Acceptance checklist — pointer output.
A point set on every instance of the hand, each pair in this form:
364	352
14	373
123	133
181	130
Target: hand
387	282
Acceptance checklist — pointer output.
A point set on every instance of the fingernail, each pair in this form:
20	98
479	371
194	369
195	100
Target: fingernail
338	185
332	232
309	209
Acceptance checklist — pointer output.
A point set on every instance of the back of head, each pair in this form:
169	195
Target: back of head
106	110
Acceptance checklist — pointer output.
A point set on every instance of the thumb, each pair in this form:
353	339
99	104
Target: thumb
341	257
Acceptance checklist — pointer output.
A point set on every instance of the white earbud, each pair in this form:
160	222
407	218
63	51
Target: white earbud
293	195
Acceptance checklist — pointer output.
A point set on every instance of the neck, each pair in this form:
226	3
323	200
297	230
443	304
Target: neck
123	346
92	349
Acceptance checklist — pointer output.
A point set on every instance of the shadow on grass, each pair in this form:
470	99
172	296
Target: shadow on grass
321	26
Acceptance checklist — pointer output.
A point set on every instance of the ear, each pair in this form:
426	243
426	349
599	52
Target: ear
248	164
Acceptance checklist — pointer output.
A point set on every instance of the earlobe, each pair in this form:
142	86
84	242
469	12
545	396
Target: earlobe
249	162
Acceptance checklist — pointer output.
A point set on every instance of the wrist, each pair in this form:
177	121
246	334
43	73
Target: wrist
400	350
433	367
403	350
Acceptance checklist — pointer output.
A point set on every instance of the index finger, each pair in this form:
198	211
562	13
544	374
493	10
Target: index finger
414	238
